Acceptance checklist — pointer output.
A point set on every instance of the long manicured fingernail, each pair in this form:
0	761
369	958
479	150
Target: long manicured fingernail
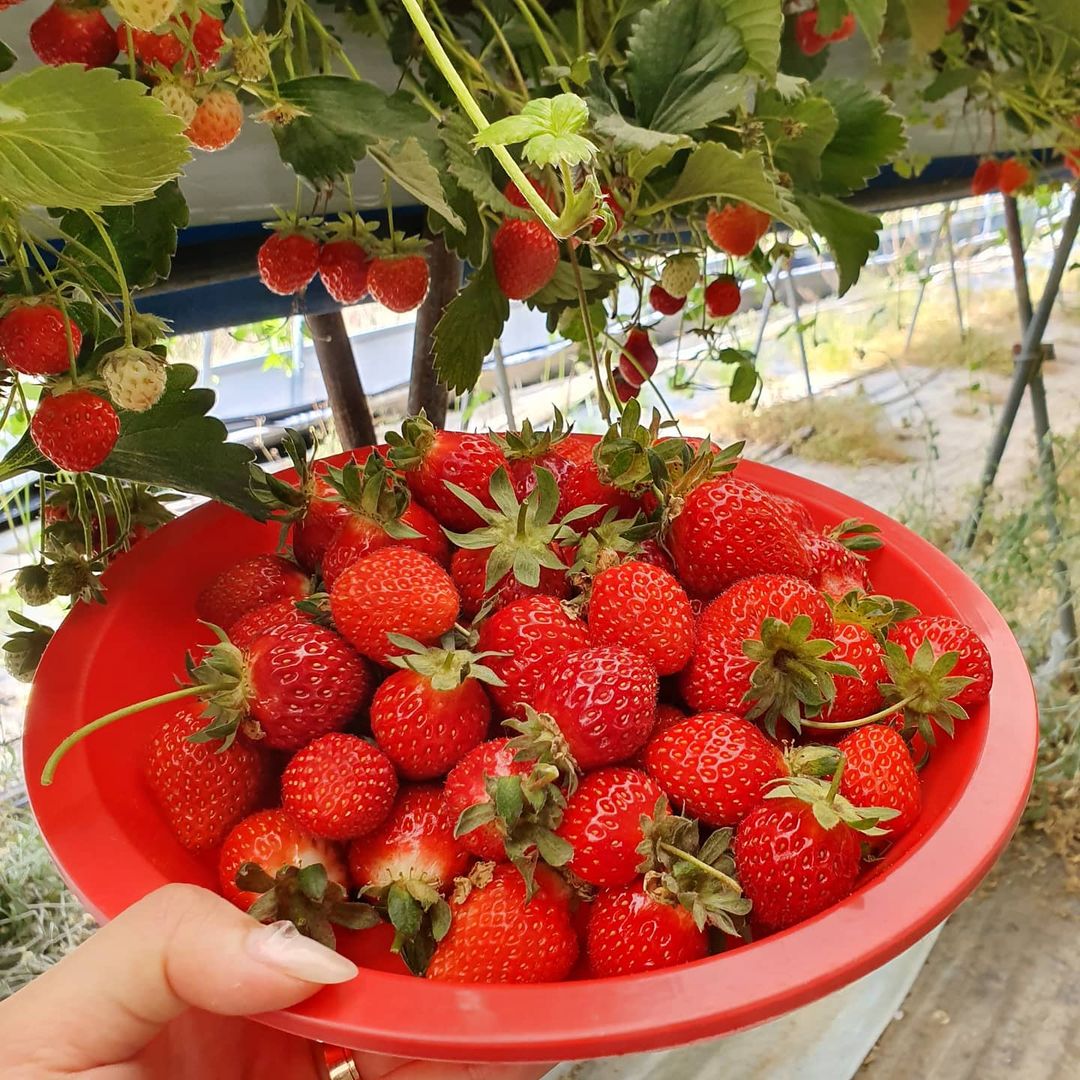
281	946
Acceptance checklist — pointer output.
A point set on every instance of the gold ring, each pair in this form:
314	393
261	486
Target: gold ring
336	1063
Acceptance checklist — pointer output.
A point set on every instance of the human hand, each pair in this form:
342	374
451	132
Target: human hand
163	992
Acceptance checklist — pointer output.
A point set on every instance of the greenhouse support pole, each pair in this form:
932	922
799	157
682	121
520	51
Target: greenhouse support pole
793	303
1027	365
766	308
1041	417
952	271
425	390
924	281
504	386
341	376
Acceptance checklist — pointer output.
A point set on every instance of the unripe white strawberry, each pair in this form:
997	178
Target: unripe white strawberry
251	57
177	100
134	378
144	14
681	273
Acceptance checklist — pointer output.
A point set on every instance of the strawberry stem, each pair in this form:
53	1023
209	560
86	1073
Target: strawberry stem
76	737
118	269
583	304
704	867
847	725
834	785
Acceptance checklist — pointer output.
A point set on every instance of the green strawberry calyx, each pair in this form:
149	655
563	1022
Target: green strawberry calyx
447	665
857	536
307	898
519	535
530	443
611	542
419	915
829	807
410	446
700	877
375	492
873	612
791	677
924	687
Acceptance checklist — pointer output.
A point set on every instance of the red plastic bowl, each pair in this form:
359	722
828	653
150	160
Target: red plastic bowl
113	847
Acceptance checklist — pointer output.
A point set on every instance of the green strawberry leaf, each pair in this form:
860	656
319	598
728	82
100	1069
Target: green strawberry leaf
798	133
868	136
714	171
870	16
468	328
851	234
144	236
684	64
82	140
550	128
7	57
744	382
927	22
173	445
759	23
469	169
561	288
343	120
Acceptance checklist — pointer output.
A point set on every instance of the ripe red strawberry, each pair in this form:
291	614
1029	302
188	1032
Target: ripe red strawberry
603	699
730	529
416	843
430	458
468	568
380	512
716	765
736	228
602	822
957	10
272	840
427	716
528	450
303	682
1013	176
287	261
796	512
217	121
631	930
515	198
68	33
202	788
168	47
394	590
722	297
33	340
343	268
808	39
791	865
398	282
250	584
339	786
856	697
525	256
464	787
719	675
878	771
279	615
617	212
313	530
578	447
624	391
645	609
986	176
498	936
583	486
641	363
836	569
76	430
664	302
534	633
945	635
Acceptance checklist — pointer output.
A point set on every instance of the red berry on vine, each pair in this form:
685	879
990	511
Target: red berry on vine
76	431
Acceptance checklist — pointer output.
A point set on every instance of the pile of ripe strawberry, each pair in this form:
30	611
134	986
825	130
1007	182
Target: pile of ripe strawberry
567	706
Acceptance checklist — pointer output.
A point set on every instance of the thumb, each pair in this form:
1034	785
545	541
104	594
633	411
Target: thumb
180	947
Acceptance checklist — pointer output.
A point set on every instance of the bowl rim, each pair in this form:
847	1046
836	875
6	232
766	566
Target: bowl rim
652	1010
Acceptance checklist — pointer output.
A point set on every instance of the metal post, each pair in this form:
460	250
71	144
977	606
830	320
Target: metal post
1027	365
341	376
952	271
766	307
793	303
1041	416
924	280
425	390
504	386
